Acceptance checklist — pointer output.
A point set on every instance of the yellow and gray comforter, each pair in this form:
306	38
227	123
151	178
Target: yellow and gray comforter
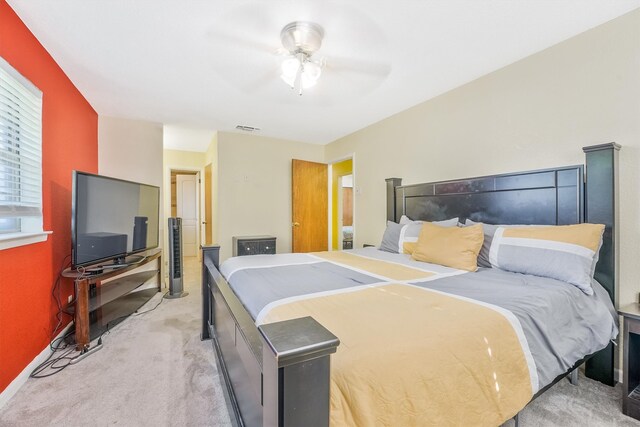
423	344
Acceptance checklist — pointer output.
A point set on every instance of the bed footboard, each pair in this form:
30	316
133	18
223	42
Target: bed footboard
274	375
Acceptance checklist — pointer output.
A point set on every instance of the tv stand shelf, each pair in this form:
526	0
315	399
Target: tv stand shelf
113	290
99	302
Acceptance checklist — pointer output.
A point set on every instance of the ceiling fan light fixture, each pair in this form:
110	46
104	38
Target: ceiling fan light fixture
312	70
290	66
302	39
302	36
289	80
307	81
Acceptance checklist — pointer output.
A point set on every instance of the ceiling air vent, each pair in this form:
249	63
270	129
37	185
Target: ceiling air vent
247	128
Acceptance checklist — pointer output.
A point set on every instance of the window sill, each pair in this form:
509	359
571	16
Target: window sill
13	240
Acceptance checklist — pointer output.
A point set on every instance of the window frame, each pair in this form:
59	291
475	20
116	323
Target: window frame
26	229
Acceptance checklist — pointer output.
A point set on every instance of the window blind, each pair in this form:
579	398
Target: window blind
20	145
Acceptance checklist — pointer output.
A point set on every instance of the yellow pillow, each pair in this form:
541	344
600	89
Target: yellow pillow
455	247
409	247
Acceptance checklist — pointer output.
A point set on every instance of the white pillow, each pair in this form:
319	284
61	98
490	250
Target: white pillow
404	220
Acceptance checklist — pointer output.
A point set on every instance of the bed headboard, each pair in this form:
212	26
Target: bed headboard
558	196
550	196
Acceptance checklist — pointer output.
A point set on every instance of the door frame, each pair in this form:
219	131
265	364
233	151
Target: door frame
207	202
351	156
167	202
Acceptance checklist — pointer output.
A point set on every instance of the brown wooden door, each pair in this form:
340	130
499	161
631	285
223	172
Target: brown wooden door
310	202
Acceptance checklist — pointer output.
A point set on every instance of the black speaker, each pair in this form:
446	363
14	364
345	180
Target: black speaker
140	224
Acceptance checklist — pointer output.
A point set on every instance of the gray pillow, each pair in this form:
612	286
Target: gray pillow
489	230
391	237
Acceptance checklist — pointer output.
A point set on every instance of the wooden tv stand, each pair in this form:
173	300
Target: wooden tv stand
93	295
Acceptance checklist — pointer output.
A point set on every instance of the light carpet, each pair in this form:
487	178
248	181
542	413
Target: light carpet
155	371
152	371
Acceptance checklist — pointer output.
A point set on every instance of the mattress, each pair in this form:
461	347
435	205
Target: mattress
552	324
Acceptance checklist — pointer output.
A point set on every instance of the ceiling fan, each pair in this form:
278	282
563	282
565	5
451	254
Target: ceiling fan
299	64
301	39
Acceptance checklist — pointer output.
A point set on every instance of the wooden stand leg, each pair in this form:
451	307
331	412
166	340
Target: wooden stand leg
82	315
159	276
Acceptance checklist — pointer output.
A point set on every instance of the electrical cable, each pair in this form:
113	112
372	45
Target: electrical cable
58	344
51	363
55	293
108	325
136	313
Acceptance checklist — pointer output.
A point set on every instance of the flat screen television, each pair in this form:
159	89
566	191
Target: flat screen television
112	219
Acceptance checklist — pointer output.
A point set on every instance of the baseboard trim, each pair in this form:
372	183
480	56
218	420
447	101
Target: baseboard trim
22	378
617	373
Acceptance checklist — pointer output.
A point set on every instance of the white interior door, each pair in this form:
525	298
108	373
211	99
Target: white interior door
187	209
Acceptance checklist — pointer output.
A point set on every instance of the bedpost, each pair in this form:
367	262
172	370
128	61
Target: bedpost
601	207
210	254
296	373
392	183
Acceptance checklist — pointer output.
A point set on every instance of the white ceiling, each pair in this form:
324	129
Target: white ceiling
210	64
186	138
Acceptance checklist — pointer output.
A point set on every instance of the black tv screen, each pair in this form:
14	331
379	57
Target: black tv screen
112	218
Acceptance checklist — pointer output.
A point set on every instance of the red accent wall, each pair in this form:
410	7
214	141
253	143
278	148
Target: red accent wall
69	141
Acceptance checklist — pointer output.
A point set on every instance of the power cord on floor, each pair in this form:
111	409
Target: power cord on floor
136	313
56	364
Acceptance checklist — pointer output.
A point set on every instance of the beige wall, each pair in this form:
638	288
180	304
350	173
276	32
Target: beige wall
536	113
254	190
131	150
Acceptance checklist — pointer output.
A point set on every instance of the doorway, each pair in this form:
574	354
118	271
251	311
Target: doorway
185	202
342	204
345	212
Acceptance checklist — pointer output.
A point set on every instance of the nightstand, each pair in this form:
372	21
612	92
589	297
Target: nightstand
631	382
254	245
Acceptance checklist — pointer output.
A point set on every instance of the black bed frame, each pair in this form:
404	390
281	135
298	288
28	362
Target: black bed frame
278	374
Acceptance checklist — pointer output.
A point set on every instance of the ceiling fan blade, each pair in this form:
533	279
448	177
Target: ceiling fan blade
266	78
234	41
281	51
353	65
